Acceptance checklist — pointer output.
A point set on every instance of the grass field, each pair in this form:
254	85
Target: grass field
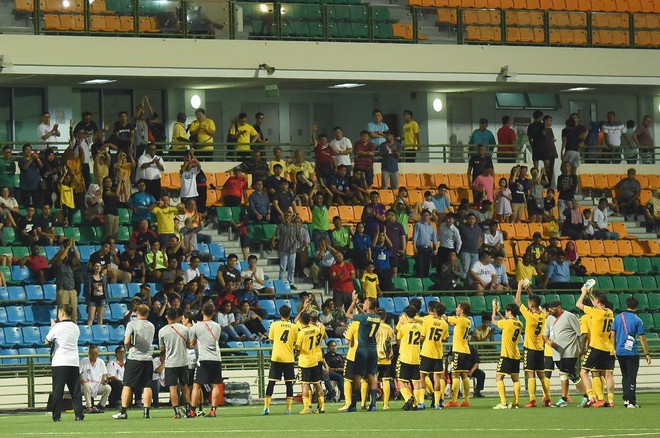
246	421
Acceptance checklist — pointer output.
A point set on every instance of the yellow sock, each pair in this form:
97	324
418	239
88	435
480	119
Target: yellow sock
386	392
501	390
455	386
598	388
419	395
307	402
531	388
348	391
267	402
545	384
405	392
591	393
289	403
466	389
321	402
428	385
364	389
437	397
610	397
516	392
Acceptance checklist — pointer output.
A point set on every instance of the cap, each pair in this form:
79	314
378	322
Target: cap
537	234
313	313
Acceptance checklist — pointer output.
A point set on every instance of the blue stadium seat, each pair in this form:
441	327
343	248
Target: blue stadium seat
203	248
85	252
51	251
268	345
422	309
27	351
103	349
29	315
133	289
83	350
42	314
266	323
213	267
101	334
43	350
185	265
117	311
3	316
31	336
50	292
205	270
82	312
86	335
269	306
217	250
387	304
43	332
16	315
107	315
16	294
34	292
243	265
282	287
10	352
13	336
19	273
4	294
427	300
252	344
233	344
117	334
400	303
117	292
280	303
2	339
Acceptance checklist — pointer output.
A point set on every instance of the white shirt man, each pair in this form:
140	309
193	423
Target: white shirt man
342	148
152	171
48	131
190	274
613	132
258	273
94	378
600	218
189	183
484	272
116	369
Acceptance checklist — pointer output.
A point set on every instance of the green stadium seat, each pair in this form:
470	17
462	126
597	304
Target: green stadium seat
224	214
449	302
656	322
567	301
576	279
604	283
644	265
643	300
620	282
478	304
269	231
648	283
123	234
654	301
383	31
427	283
407	267
507	299
634	282
8	235
400	284
415	285
88	236
256	233
630	264
125	216
359	30
76	218
380	13
72	233
20	251
655	263
551	297
358	14
314	30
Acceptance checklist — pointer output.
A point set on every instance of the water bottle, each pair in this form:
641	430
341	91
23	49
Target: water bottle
589	284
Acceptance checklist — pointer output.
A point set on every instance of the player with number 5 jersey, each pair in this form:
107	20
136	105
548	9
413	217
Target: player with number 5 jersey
461	363
283	335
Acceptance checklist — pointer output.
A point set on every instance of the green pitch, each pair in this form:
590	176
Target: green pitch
246	421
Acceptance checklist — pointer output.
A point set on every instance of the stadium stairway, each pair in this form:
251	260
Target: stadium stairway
635	229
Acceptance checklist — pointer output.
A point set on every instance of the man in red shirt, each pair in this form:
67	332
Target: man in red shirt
364	157
37	264
506	139
342	275
325	163
234	190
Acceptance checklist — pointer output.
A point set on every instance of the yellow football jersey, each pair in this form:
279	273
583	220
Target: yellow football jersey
511	331
351	337
306	346
282	334
384	339
369	285
585	322
534	325
403	319
459	342
410	342
600	327
319	342
435	330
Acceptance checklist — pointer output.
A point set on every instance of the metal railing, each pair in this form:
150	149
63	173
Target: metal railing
351	21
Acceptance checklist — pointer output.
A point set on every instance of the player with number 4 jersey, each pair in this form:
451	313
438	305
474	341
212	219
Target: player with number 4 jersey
283	336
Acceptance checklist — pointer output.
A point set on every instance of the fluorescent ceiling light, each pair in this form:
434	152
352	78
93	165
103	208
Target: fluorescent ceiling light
97	81
437	105
580	89
347	85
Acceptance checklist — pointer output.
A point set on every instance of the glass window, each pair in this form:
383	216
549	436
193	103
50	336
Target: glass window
511	100
5	114
28	106
115	101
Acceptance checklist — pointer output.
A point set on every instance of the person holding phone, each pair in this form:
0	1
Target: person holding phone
48	132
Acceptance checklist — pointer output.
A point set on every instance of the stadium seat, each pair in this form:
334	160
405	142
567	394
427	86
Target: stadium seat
282	287
117	311
414	285
610	248
16	294
4	294
647	320
34	293
616	266
82	312
567	301
602	266
269	306
16	315
427	283
620	282
10	352
117	292
400	284
649	283
477	303
400	303
644	266
43	332
596	248
284	302
604	283
100	333
31	336
13	336
387	304
86	335
20	273
117	334
217	250
643	300
43	350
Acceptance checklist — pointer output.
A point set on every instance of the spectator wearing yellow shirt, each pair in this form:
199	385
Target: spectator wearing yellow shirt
410	137
180	139
524	268
299	164
165	218
277	151
242	133
204	129
370	283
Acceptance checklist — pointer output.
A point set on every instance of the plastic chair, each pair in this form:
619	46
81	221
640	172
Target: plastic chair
16	294
400	303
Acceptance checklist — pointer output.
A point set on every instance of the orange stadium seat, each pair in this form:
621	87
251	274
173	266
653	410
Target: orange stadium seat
357	213
413	181
127	24
587	181
508	229
582	247
596	248
345	213
415	196
99	7
427	181
403	180
534	228
332	212
579	36
447	16
602	266
97	23
643	181
220	179
523	245
378	180
24	6
211	197
522	231
589	264
455	180
52	22
621	228
616	266
210	179
600	182
624	248
386	197
610	248
440	178
305	214
175	180
638	248
654	181
577	19
112	24
513	35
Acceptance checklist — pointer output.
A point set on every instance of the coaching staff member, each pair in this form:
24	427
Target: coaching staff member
65	363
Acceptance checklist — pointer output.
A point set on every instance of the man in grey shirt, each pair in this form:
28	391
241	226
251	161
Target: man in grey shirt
471	240
138	371
174	340
288	238
205	334
562	333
